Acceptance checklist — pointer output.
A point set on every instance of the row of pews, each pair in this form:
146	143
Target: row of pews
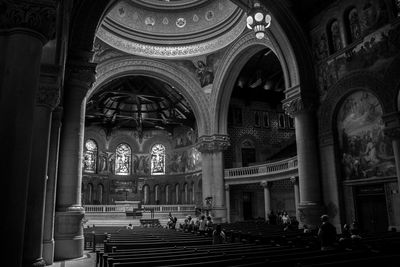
248	244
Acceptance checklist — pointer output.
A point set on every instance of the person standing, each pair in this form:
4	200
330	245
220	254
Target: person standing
326	234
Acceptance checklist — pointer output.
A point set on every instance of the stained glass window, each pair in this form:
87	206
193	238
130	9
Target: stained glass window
90	156
123	160
158	160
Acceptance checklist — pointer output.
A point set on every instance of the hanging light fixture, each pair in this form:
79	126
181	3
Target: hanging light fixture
258	19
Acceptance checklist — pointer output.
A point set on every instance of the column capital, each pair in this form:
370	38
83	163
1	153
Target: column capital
82	74
294	179
48	96
213	143
37	16
266	184
227	186
296	105
392	125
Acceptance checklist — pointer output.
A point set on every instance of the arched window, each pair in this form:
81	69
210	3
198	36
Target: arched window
167	194
335	41
90	156
123	160
146	193
177	195
100	192
157	194
352	22
158	160
366	152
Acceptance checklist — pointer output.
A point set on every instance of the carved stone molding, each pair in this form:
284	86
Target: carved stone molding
39	16
48	96
82	74
213	143
296	106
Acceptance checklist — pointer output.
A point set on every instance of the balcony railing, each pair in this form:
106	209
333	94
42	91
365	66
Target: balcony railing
155	208
263	170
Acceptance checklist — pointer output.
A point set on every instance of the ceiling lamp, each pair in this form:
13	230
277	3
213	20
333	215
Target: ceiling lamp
258	19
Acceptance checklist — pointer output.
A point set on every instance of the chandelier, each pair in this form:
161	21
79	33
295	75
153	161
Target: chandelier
258	19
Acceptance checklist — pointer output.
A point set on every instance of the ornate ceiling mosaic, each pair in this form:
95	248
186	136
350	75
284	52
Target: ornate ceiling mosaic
166	29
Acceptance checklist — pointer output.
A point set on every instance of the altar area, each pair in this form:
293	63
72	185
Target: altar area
125	212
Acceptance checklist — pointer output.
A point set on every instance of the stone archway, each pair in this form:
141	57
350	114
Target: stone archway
184	84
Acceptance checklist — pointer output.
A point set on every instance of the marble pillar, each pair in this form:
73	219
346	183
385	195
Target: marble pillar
310	207
25	26
68	231
392	130
47	98
227	203
267	198
295	182
211	148
48	234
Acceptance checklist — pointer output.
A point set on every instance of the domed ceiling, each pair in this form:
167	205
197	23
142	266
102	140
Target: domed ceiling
171	29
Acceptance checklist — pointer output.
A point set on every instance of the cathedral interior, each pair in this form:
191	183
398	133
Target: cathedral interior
185	105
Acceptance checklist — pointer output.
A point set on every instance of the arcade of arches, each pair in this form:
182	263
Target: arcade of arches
177	103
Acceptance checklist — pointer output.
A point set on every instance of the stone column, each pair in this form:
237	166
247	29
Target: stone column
68	232
295	183
310	208
25	26
267	198
211	148
48	234
227	203
392	130
47	98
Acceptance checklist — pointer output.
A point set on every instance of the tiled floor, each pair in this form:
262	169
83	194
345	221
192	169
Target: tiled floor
88	260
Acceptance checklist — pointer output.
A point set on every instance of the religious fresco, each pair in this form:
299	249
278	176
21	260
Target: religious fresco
365	151
184	137
184	161
373	54
123	160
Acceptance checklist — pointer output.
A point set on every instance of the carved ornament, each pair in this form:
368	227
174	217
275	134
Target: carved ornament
266	184
213	143
34	15
295	106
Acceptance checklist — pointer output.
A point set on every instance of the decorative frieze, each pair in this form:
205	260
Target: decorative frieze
213	143
39	16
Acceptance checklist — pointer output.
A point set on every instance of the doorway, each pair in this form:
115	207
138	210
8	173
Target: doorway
371	208
247	206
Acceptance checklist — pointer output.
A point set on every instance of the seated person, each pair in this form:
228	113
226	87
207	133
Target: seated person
130	226
218	235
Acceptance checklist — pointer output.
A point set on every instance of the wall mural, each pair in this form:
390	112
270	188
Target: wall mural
365	151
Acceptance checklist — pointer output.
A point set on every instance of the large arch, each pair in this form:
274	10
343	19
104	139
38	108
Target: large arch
236	58
187	86
360	80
